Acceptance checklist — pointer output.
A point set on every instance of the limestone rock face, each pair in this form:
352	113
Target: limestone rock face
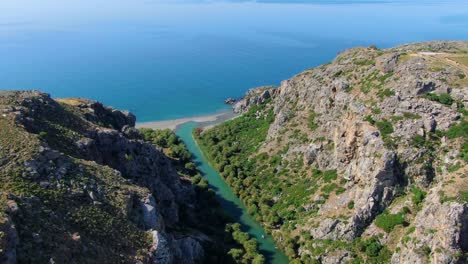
377	118
387	63
151	216
440	232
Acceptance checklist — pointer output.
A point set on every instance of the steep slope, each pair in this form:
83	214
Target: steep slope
363	158
78	184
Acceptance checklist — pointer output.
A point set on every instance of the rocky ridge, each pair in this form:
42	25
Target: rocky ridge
79	185
392	124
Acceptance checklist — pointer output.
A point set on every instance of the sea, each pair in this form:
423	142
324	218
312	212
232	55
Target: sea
172	59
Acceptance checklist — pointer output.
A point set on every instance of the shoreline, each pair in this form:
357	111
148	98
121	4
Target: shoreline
205	121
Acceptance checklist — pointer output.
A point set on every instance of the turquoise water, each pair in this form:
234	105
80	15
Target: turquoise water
170	59
229	200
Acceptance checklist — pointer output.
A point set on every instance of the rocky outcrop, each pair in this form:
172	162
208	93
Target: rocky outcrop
87	167
387	62
96	112
230	101
9	235
377	118
440	232
254	97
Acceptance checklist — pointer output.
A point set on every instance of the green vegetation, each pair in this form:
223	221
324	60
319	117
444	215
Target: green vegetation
385	127
167	140
76	210
329	175
363	251
460	131
240	247
247	250
418	196
418	141
374	81
443	98
369	119
365	62
385	93
374	250
388	221
464	196
311	121
462	60
256	179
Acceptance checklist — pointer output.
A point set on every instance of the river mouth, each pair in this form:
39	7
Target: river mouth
229	201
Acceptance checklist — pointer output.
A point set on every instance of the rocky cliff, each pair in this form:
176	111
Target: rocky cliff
364	158
79	185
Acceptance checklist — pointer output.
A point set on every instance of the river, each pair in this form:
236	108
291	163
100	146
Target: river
229	201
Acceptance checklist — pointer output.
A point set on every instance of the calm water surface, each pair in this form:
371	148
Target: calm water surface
170	59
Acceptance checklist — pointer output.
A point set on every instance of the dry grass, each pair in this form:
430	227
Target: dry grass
405	58
71	101
456	182
463	60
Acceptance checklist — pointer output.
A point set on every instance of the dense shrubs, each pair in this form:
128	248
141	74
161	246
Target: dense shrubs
385	127
388	221
460	130
418	195
443	98
373	251
248	250
167	139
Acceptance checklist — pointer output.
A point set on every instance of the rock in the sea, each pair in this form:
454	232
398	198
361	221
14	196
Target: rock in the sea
230	101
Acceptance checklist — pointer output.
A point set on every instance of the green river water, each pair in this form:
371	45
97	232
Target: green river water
230	202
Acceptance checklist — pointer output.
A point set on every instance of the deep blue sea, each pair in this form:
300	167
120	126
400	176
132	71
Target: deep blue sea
171	59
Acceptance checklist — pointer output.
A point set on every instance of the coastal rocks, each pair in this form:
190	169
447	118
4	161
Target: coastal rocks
254	97
230	101
110	117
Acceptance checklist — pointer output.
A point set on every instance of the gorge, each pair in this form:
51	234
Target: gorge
360	160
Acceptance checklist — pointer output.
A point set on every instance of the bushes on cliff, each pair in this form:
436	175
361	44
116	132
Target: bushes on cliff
385	127
168	140
388	221
443	98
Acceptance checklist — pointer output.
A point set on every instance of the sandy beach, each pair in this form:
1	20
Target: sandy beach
203	121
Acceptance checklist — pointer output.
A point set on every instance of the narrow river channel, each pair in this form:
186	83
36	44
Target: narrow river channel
230	202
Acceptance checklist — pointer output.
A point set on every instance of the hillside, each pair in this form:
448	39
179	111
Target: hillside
363	159
79	184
